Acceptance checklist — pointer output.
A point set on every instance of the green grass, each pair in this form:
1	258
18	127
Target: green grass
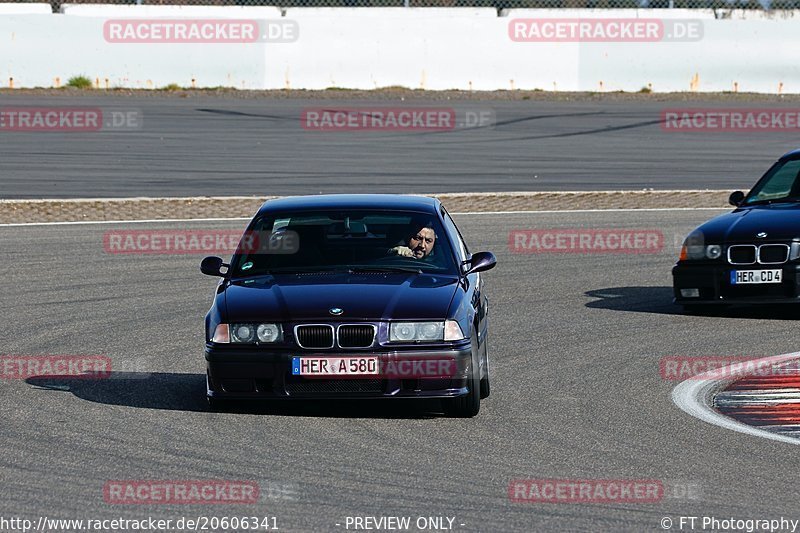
79	82
171	87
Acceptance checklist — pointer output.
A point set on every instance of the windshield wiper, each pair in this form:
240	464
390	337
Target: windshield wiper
291	270
309	270
329	270
355	270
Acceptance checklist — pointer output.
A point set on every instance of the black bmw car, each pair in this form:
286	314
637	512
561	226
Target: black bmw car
350	296
751	255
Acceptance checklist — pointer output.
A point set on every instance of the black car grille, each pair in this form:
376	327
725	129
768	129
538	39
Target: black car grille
317	386
742	254
356	335
315	336
773	253
765	254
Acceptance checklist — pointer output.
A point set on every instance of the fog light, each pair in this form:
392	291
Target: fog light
690	293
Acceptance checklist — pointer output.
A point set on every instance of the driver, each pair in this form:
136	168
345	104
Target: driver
418	244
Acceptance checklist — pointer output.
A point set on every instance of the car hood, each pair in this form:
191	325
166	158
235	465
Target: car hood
306	297
781	222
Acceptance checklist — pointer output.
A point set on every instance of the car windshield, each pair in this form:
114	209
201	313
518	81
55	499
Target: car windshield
780	184
353	240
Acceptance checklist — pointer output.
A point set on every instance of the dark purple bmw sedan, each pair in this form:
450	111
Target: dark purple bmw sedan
350	296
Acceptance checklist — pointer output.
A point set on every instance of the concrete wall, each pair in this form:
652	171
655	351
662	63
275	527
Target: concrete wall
429	48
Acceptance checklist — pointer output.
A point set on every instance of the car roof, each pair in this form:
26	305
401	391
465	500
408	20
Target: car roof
791	154
389	202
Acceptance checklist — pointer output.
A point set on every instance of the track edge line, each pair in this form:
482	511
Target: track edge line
694	395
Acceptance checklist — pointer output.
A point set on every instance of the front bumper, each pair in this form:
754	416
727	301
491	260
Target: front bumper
713	282
253	374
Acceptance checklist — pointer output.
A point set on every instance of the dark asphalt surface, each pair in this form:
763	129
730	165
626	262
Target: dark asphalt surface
577	394
232	146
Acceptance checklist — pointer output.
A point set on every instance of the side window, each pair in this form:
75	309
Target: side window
450	226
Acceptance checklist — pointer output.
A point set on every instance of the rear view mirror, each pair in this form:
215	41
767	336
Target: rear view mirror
736	198
212	266
481	262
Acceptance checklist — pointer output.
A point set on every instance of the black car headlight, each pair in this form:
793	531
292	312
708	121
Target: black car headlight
449	330
696	248
248	333
690	252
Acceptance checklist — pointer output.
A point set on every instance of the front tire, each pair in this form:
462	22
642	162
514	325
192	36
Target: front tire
468	405
485	388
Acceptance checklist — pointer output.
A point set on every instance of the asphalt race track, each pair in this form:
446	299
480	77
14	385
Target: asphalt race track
576	394
222	146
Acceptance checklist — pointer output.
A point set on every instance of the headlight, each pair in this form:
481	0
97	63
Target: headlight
432	331
269	332
425	331
248	333
695	248
695	252
714	251
403	332
242	333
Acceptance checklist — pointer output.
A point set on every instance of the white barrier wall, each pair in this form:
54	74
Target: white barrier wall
429	48
49	49
142	11
26	9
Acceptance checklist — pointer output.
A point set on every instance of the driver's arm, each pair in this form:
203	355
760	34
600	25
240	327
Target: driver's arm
403	251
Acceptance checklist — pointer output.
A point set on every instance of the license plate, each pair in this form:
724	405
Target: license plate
750	277
334	366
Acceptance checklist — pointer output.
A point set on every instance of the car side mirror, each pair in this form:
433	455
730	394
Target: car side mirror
481	262
211	266
736	198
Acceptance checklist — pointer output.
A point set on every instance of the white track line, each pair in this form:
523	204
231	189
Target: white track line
695	395
172	220
146	221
